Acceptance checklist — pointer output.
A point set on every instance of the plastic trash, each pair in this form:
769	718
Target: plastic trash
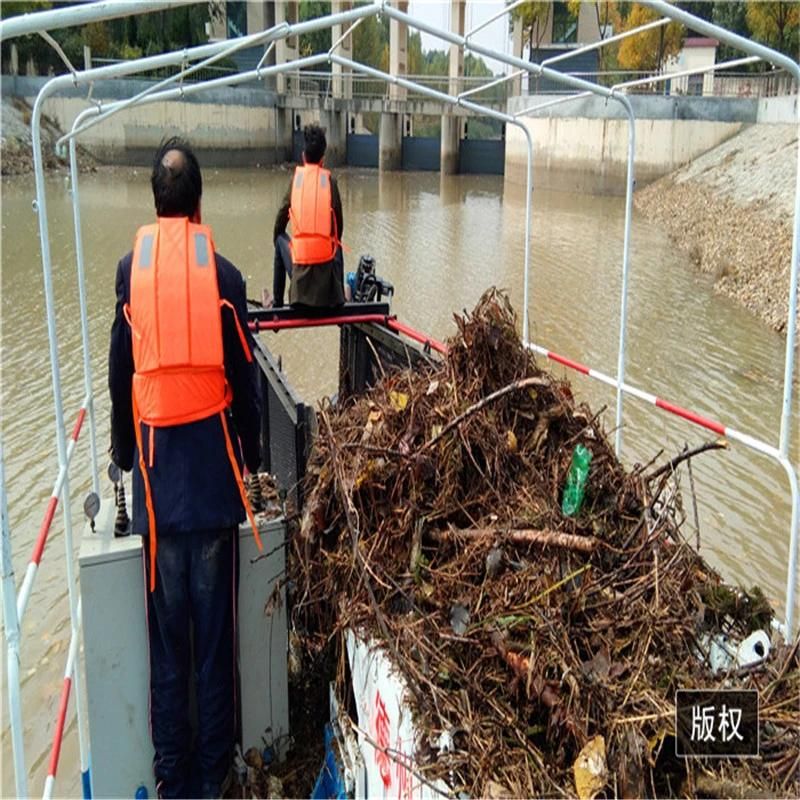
753	649
723	653
576	481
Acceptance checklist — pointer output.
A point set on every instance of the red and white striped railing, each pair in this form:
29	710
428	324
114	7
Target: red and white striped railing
665	405
63	706
52	505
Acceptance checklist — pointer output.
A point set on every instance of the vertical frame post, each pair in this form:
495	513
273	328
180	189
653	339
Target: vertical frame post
11	625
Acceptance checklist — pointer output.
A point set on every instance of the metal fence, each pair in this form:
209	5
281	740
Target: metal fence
724	84
729	84
199	76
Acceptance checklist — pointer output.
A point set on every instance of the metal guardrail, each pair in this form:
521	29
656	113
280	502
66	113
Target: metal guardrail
178	63
318	83
199	76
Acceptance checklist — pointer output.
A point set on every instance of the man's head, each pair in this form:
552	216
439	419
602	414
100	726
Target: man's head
176	180
315	144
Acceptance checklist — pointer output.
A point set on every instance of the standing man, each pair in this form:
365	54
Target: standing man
185	409
312	257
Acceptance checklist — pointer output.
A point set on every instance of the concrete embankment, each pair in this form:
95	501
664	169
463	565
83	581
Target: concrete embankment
582	144
732	210
233	126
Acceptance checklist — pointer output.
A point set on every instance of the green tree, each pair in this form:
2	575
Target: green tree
649	50
371	42
534	17
775	24
733	17
318	41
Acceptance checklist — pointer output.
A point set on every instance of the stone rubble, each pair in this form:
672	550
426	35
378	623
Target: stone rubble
732	209
16	151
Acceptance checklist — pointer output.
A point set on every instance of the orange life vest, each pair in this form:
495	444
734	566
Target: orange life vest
314	234
176	325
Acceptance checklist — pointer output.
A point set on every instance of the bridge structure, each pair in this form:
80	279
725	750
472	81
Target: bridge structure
339	99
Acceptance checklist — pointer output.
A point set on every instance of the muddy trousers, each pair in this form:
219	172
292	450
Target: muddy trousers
192	613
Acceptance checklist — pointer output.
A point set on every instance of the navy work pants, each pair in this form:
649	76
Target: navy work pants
282	267
196	585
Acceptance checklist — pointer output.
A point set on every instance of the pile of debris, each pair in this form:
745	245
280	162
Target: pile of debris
16	149
538	642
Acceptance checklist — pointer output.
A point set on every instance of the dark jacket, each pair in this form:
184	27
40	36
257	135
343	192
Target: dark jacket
314	284
191	479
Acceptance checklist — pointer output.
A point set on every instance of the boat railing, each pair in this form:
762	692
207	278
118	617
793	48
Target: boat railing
206	56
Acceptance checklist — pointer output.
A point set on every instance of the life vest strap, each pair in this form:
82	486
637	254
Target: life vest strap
239	482
242	339
148	495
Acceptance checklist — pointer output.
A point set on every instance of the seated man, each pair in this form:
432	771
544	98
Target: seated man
312	257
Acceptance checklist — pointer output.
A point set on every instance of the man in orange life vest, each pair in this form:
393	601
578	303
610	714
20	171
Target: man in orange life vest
312	257
185	409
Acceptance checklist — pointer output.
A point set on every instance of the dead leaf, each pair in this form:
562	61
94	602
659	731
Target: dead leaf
597	668
432	387
590	768
511	441
497	791
398	400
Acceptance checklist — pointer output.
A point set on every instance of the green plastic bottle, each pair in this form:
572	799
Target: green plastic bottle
576	481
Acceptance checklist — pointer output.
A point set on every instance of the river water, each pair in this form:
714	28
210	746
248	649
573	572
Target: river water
441	240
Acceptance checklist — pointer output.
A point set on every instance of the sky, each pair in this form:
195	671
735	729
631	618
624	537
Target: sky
496	35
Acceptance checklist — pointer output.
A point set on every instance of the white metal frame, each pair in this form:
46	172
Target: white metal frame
207	54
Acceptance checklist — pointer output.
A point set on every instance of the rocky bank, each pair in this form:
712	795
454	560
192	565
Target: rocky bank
732	210
16	151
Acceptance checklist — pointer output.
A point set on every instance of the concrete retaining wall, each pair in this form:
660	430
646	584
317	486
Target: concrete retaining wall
778	110
582	145
230	127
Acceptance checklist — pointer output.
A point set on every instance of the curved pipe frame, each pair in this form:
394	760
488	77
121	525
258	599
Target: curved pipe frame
212	50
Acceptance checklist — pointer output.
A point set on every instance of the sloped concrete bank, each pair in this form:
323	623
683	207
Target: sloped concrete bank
732	210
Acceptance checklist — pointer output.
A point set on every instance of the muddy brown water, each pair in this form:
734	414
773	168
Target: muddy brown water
441	241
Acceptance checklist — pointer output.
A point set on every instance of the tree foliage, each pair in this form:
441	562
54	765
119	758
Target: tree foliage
608	16
534	17
775	24
317	41
649	50
371	42
128	37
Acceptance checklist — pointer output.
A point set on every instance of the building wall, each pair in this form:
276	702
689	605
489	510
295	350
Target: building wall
588	31
693	58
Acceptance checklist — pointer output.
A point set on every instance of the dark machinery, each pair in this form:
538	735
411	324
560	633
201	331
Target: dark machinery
365	285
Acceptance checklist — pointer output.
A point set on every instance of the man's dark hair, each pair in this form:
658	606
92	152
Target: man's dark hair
176	180
315	143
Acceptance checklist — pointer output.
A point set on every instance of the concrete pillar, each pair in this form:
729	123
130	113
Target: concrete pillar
398	52
517	46
335	124
284	133
14	66
390	142
285	49
257	14
341	79
451	126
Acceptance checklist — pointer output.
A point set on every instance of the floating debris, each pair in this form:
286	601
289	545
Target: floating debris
551	645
